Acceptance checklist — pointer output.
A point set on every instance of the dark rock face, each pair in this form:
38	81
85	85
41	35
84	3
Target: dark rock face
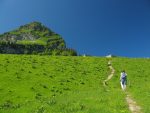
21	49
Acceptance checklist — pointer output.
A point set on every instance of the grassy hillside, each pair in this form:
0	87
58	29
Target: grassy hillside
43	84
138	71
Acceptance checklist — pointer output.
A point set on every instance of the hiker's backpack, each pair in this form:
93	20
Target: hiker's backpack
123	76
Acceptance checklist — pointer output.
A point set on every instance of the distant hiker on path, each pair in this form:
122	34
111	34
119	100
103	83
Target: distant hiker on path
123	80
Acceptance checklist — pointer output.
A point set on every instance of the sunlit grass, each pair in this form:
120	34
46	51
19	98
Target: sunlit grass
138	79
45	84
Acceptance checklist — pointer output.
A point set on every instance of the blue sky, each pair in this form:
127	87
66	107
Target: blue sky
94	27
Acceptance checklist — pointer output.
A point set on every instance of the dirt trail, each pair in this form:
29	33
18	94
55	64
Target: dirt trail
133	107
111	74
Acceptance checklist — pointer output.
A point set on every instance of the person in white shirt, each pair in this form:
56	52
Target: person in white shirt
123	80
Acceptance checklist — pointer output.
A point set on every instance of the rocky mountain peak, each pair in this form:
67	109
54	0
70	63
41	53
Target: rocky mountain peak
34	26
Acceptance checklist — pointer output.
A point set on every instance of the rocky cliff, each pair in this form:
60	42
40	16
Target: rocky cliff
34	38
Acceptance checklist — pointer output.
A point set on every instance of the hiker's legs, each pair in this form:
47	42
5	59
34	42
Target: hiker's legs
124	85
121	84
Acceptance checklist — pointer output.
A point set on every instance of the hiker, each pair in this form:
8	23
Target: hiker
123	80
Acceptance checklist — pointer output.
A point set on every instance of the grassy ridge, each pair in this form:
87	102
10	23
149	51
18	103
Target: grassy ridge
138	79
43	84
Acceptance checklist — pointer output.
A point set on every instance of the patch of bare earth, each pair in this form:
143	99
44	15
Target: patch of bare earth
111	74
133	107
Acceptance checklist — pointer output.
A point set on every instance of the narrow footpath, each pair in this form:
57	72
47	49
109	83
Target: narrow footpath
111	74
133	107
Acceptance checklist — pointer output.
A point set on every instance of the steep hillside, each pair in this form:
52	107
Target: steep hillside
138	71
33	38
43	84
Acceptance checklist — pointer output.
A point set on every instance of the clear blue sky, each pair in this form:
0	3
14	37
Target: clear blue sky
95	27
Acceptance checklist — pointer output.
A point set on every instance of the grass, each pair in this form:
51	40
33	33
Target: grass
24	42
45	84
41	41
138	79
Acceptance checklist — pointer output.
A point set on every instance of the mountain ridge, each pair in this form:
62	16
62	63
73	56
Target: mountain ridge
34	33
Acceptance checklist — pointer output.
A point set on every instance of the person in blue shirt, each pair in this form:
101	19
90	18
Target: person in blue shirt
123	80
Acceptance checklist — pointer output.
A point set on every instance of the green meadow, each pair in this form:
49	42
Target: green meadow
138	70
47	84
